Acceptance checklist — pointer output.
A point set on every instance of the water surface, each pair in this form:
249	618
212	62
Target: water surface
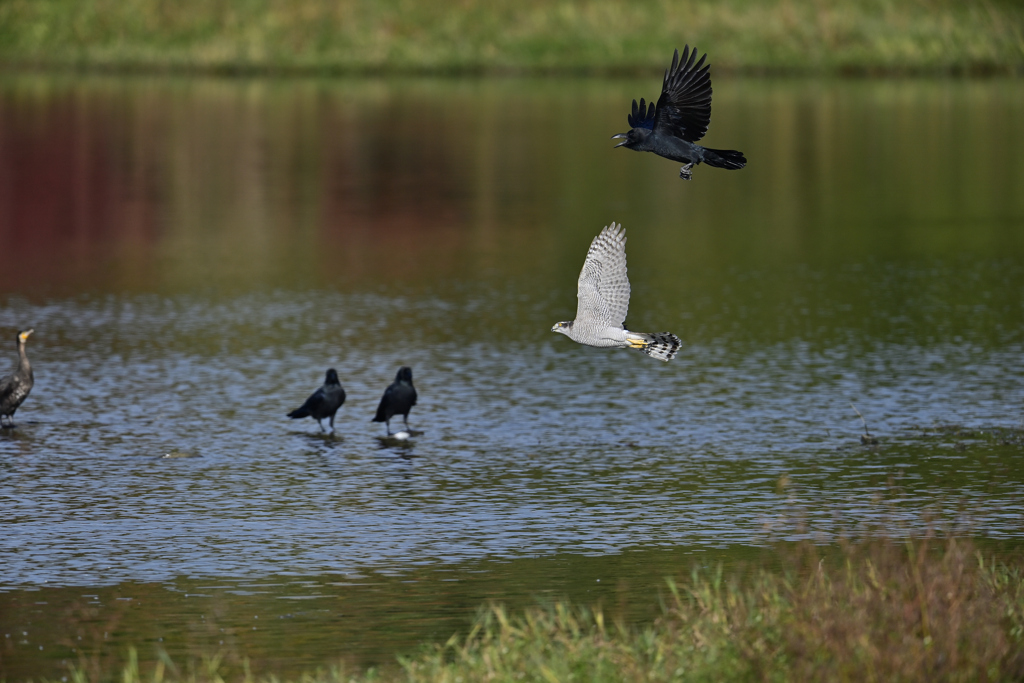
194	254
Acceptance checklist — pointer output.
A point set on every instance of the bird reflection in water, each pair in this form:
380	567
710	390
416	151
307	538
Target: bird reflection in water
402	441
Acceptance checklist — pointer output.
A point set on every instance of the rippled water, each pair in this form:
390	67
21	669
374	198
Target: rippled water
195	254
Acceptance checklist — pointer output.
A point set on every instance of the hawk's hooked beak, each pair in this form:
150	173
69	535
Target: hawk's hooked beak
620	135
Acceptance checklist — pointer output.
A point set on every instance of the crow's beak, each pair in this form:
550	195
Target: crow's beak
620	135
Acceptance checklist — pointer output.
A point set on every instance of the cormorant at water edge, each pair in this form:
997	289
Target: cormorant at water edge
14	388
324	402
672	127
398	399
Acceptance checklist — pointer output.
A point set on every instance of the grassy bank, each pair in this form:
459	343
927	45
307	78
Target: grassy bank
574	36
877	610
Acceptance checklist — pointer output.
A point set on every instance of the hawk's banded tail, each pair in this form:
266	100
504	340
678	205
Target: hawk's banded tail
660	345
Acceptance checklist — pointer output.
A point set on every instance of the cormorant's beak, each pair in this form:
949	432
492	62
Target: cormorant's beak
26	334
620	135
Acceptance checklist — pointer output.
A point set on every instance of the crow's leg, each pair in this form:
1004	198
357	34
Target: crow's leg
387	425
320	422
405	419
685	172
332	424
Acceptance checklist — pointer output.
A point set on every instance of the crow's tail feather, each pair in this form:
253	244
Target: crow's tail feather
299	412
724	158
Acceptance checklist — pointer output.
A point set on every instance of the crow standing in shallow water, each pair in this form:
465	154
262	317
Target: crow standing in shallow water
14	388
324	402
672	127
398	399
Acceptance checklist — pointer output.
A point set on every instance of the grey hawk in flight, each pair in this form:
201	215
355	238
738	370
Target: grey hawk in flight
603	294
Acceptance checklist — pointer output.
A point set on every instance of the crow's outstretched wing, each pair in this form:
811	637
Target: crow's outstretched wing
642	117
684	108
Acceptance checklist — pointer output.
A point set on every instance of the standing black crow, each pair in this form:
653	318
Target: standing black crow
398	399
672	127
324	402
14	388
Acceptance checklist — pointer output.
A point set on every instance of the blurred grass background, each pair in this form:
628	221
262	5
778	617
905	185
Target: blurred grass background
485	36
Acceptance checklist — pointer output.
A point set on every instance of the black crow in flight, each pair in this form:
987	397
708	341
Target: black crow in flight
673	126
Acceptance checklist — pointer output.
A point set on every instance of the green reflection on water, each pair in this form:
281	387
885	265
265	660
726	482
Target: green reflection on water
889	208
286	625
185	184
289	624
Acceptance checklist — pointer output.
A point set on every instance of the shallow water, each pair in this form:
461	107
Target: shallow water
194	254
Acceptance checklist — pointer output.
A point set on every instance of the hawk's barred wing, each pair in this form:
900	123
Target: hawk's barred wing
684	107
603	288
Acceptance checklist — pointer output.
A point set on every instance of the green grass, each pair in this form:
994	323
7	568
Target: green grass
576	36
873	611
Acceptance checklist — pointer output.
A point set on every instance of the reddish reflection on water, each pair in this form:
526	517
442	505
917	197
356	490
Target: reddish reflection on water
115	183
63	188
